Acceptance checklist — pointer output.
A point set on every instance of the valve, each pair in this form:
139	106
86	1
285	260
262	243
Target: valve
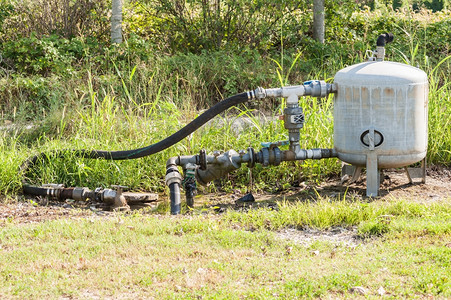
189	183
203	159
115	198
274	144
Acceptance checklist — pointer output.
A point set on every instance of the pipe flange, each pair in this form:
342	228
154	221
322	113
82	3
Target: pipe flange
251	162
265	156
277	156
203	160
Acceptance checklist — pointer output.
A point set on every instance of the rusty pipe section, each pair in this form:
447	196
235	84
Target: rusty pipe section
219	165
114	198
207	168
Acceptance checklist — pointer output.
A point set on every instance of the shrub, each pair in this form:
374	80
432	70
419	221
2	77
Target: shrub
48	54
66	18
199	25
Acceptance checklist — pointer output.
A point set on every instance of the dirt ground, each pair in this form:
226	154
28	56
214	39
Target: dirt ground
395	185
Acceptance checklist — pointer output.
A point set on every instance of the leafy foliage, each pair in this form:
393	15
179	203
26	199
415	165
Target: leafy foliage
199	25
64	18
51	77
45	55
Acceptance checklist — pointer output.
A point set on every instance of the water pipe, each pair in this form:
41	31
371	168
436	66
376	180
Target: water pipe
205	168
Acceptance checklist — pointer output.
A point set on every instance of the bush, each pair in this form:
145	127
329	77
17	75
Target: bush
200	25
29	98
65	18
48	54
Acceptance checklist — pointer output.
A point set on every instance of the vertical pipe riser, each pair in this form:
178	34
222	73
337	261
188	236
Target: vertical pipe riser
176	204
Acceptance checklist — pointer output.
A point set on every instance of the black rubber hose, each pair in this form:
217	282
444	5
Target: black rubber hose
35	191
151	149
176	204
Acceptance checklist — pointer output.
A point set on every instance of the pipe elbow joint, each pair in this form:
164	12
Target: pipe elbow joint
173	161
384	38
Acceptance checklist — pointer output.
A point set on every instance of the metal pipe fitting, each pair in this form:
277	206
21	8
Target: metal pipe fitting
173	181
314	88
379	53
220	164
318	153
114	198
207	168
173	177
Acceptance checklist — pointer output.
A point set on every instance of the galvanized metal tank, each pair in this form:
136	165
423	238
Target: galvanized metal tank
380	115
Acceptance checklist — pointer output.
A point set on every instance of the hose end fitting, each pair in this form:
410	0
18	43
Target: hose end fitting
258	93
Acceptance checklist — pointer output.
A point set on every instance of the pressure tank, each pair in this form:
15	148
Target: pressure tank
380	115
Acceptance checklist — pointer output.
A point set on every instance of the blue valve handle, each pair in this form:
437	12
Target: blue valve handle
279	143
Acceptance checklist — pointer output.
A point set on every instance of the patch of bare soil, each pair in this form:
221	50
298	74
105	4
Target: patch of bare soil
395	185
338	235
29	211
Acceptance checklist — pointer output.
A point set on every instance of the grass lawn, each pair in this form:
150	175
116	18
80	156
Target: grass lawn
400	249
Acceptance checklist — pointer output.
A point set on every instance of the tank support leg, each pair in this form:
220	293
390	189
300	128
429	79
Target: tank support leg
423	168
372	175
349	171
417	172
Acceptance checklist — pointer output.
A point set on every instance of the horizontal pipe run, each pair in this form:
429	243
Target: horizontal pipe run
219	165
318	153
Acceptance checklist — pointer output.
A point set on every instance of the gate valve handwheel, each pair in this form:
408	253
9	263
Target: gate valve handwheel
120	188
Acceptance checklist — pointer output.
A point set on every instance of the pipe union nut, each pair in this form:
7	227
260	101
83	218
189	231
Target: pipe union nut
108	195
318	88
277	156
173	177
265	156
79	193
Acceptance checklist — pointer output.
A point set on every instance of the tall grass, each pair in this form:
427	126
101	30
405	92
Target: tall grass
134	102
111	123
439	108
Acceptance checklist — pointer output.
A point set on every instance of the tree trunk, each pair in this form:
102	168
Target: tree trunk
116	22
318	20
